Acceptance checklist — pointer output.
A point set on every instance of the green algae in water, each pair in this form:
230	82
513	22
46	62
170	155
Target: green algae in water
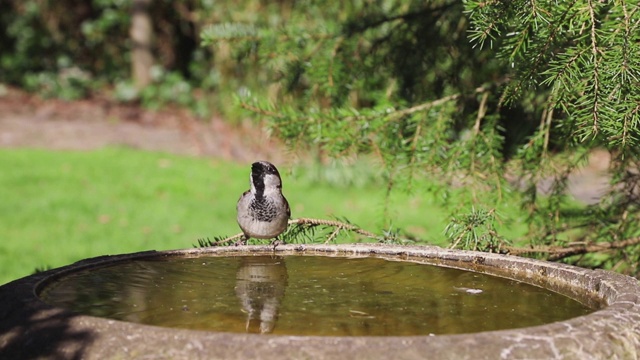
308	295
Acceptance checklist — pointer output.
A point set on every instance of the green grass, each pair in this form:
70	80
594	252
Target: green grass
60	207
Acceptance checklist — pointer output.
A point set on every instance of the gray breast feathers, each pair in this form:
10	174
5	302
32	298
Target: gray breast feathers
263	209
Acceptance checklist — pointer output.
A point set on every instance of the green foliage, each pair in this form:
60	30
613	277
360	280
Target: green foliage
52	45
475	231
463	92
71	84
363	79
582	56
172	88
70	50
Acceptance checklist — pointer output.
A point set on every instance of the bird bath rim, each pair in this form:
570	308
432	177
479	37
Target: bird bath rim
611	331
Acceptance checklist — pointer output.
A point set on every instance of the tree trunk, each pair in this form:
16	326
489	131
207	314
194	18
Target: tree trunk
141	33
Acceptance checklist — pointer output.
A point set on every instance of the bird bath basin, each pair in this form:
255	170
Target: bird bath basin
320	301
308	295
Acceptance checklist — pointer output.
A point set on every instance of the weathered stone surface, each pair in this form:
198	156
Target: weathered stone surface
29	328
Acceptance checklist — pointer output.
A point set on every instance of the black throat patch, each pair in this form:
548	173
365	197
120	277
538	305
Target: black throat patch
258	183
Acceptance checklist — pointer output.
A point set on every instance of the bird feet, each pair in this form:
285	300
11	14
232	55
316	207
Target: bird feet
275	242
242	240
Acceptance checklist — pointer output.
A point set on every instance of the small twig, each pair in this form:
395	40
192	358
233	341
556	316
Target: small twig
339	225
227	239
457	241
481	112
333	234
334	52
260	111
335	223
395	114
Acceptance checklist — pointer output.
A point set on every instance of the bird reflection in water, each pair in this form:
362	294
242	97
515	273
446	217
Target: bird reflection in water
260	286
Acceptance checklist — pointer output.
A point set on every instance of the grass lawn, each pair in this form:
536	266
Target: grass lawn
60	207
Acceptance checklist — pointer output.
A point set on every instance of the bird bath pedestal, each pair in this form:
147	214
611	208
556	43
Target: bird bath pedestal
31	327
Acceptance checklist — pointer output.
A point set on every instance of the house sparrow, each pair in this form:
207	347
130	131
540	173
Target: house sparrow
263	212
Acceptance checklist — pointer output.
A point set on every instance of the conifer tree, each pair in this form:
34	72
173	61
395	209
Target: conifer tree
490	96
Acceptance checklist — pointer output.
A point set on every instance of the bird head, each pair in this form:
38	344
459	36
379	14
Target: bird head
265	178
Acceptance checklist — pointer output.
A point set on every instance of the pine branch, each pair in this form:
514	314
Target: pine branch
301	227
366	115
595	109
261	111
230	32
218	240
557	253
371	22
333	223
555	28
237	32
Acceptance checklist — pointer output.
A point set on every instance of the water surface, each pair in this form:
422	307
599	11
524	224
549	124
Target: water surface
308	295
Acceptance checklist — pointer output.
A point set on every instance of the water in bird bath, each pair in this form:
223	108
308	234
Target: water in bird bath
308	295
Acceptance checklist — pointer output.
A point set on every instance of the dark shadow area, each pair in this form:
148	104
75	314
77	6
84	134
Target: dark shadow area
30	329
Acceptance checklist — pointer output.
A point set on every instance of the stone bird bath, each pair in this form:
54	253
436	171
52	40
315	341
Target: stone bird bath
31	327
